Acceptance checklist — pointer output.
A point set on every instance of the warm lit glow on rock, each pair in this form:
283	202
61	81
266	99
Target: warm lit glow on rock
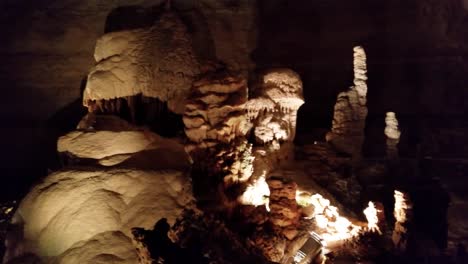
372	220
256	193
333	227
401	206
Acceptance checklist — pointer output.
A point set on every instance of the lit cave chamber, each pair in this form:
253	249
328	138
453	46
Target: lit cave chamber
183	157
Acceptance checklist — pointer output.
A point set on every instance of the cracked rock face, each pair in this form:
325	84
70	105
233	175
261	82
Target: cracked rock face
157	62
347	133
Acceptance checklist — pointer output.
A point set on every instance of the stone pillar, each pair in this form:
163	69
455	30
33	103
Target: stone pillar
347	133
284	211
403	213
393	135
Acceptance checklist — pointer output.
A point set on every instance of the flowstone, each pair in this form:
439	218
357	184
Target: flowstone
157	62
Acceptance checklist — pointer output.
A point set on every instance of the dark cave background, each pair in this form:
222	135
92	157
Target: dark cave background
417	53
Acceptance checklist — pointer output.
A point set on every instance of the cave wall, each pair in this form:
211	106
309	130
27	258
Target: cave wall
47	51
417	61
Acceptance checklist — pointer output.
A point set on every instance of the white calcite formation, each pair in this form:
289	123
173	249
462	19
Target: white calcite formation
214	113
272	112
393	135
78	216
347	133
157	62
274	105
118	142
102	144
403	213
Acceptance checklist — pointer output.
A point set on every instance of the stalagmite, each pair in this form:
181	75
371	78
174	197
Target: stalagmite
371	213
403	215
393	135
347	133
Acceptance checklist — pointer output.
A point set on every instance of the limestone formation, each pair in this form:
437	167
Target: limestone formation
270	245
393	135
284	211
157	62
67	212
272	111
347	133
403	213
274	104
119	143
214	113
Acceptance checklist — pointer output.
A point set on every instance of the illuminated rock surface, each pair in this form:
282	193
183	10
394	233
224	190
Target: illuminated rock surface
392	132
273	105
72	212
347	133
157	62
412	77
215	112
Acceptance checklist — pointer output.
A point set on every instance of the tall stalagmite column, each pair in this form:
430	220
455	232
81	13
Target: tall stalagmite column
347	133
393	135
403	215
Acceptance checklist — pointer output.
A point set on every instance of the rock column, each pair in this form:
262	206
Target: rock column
403	215
347	133
393	135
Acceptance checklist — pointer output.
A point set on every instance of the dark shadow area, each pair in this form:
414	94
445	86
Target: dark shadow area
132	17
413	70
160	247
38	149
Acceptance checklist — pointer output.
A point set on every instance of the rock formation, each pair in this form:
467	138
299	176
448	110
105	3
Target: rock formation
284	211
393	135
403	213
157	62
214	113
347	133
115	142
273	106
73	209
216	125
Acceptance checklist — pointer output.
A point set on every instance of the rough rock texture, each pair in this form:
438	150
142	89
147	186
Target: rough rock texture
330	170
215	111
220	243
284	211
234	32
403	212
63	214
47	66
347	133
271	246
272	237
273	105
158	62
272	111
392	132
105	247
